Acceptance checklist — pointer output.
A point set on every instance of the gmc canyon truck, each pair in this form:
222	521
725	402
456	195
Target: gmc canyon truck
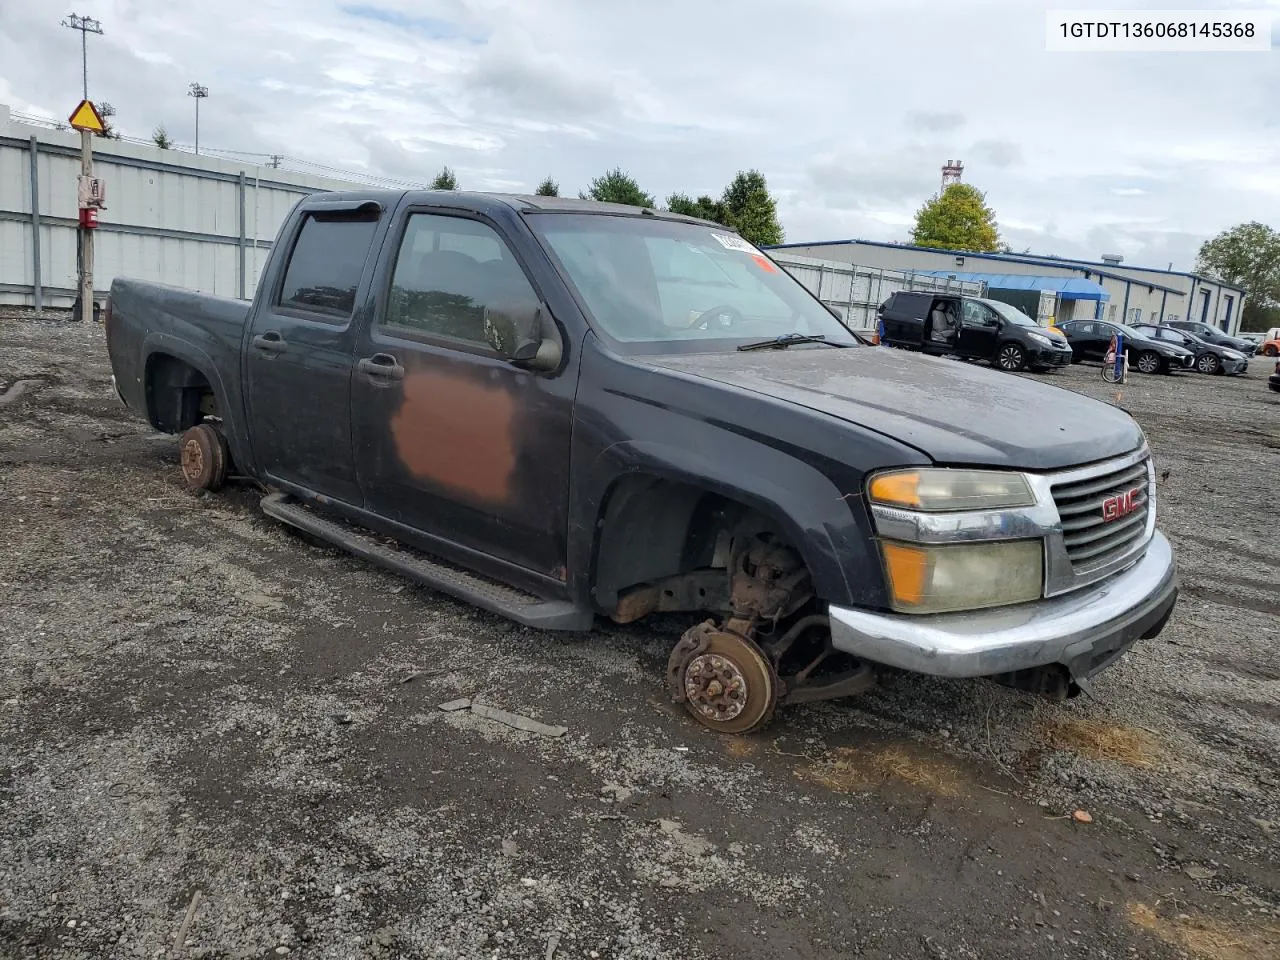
557	409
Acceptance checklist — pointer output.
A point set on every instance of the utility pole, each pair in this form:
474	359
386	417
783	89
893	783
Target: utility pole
86	26
274	162
199	92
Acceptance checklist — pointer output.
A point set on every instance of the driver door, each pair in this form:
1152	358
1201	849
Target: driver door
1088	339
450	438
979	330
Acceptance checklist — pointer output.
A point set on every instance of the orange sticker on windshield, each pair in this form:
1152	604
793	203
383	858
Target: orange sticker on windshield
764	263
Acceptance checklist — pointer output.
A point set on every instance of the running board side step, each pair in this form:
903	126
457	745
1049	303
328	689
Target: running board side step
479	591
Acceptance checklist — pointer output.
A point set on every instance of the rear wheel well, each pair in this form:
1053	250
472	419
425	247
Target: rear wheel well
178	395
652	529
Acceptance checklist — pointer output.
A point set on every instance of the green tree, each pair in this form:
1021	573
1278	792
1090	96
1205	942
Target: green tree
109	131
548	188
617	187
749	207
445	180
704	207
1248	256
957	219
160	137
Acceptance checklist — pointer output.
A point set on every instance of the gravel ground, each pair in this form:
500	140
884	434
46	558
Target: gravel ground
218	739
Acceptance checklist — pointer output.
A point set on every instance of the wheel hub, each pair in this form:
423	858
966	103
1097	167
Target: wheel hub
723	679
192	460
715	687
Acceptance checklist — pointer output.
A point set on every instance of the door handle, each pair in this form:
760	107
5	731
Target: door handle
270	342
382	366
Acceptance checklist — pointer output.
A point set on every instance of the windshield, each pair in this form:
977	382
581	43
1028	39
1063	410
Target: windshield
1011	313
1128	331
666	285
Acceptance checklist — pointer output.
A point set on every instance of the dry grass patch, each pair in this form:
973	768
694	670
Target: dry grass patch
851	769
739	748
1099	740
1210	939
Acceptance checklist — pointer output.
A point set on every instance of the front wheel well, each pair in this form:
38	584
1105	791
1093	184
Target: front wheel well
652	529
178	395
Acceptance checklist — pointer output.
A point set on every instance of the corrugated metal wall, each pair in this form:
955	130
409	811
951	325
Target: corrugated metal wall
171	217
855	292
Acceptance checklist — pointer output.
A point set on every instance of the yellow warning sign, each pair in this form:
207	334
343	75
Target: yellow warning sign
86	117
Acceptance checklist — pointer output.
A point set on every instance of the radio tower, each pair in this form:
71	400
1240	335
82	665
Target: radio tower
952	172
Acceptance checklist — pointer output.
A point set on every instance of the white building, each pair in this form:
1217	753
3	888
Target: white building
1079	288
173	217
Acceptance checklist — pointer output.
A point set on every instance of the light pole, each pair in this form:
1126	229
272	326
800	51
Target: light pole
199	92
86	26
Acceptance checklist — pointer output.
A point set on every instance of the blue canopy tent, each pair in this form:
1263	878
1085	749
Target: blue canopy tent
1065	288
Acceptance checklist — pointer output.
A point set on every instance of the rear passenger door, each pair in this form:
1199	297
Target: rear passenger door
905	316
450	438
300	349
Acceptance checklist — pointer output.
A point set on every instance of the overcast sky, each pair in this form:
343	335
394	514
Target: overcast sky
849	107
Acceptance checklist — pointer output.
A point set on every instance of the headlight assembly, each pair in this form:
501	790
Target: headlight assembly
934	489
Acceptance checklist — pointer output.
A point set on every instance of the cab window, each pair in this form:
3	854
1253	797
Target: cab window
448	272
325	266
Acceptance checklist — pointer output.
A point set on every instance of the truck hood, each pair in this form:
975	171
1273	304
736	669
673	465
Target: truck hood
953	412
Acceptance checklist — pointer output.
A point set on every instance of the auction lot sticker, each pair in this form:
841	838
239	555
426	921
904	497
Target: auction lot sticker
730	242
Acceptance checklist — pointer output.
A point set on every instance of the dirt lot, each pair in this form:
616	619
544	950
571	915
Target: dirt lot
193	699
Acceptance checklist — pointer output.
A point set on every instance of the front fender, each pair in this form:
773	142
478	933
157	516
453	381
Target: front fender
823	522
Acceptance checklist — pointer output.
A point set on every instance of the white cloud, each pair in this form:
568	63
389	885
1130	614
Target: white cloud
848	109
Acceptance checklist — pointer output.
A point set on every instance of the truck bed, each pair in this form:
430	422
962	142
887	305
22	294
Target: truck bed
149	322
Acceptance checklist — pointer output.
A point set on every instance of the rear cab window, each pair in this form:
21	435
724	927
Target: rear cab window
325	265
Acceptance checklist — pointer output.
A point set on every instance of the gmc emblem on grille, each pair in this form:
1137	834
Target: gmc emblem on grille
1121	505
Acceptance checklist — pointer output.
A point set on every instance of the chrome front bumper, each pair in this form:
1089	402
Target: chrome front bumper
1085	630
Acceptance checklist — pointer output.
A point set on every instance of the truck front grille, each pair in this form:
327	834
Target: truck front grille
1104	516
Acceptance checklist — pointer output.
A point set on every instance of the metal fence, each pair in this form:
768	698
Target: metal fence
856	292
206	224
172	217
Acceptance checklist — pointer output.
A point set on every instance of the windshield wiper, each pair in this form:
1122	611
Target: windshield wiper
785	340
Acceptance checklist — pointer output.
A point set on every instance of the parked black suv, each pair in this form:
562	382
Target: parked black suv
1209	357
971	327
1090	339
1211	334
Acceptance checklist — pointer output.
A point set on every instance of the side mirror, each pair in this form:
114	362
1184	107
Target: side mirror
517	334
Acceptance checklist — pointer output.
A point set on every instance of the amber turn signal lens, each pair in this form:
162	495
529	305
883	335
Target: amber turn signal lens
899	489
907	568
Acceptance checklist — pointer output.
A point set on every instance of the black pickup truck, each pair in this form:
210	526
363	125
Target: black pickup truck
558	409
